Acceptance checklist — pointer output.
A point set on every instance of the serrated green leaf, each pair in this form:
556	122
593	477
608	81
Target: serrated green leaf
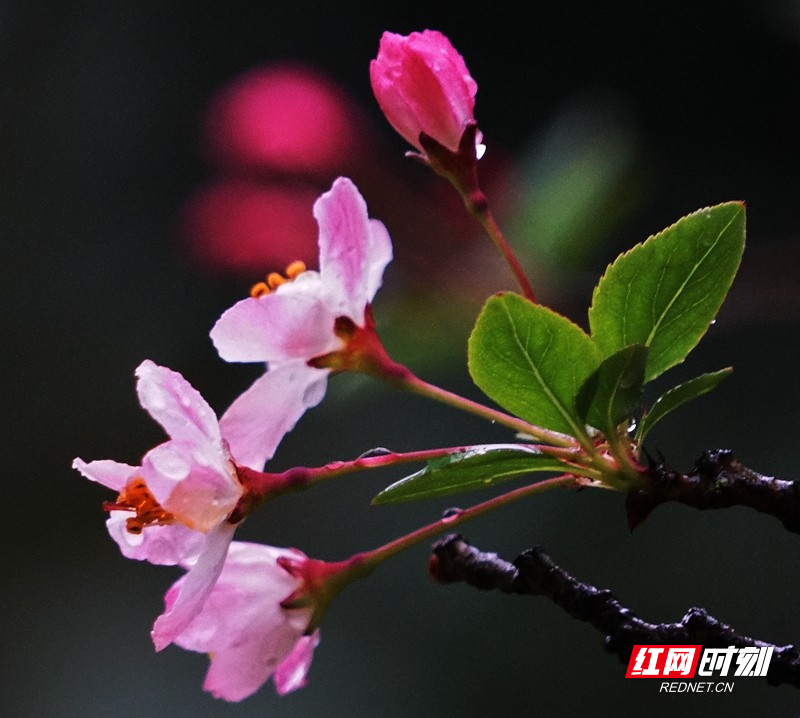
477	468
613	391
665	292
531	361
680	394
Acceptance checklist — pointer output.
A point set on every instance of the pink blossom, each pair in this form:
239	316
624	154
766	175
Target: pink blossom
422	85
243	627
296	322
173	508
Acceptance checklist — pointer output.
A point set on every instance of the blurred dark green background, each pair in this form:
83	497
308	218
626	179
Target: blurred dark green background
604	123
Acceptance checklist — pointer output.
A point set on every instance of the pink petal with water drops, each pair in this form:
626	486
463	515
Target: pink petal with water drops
287	325
242	625
187	602
353	250
175	404
260	417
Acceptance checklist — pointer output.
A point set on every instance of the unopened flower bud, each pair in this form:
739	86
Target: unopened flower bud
423	86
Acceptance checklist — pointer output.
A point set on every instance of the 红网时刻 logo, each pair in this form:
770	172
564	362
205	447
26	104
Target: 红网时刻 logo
694	661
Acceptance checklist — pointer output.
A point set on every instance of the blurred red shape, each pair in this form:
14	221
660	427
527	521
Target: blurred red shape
284	117
236	226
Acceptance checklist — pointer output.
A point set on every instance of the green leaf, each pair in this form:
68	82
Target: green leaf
680	394
531	361
613	391
665	292
477	468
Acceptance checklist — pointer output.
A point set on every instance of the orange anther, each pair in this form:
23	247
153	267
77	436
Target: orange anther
137	498
274	280
295	268
259	290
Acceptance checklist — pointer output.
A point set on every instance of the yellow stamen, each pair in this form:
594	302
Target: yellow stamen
259	290
275	279
295	268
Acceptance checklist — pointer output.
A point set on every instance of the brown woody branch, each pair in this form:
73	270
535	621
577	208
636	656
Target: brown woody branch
718	481
534	573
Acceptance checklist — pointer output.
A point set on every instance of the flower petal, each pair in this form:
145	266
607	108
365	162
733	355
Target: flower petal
449	80
286	325
291	673
198	487
260	417
175	404
353	250
238	672
250	587
107	472
161	545
379	254
195	588
242	624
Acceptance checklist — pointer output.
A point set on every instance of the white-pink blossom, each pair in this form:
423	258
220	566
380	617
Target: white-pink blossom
173	508
296	322
243	627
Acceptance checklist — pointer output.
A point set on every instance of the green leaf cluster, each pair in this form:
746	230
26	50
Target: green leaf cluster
649	310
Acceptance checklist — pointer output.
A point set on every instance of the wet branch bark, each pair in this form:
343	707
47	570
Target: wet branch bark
534	573
718	481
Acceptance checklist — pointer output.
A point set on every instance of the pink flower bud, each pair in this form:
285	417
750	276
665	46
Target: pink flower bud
422	85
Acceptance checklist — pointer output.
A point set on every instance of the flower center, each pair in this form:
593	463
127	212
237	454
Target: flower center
275	279
136	497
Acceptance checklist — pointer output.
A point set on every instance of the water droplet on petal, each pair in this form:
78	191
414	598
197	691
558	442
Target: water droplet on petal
171	465
200	458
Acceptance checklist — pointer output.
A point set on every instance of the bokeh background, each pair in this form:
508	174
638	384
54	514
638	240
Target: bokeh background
159	158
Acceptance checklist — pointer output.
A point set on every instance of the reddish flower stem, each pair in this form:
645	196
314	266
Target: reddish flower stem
416	385
365	353
461	170
478	206
321	581
260	486
362	564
